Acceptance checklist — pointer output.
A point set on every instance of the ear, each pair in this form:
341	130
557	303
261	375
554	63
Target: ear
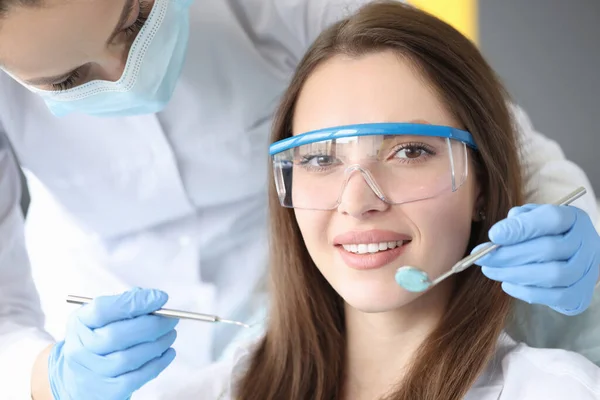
479	207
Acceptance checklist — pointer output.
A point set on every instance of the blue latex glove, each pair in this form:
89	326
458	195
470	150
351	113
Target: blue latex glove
112	347
550	256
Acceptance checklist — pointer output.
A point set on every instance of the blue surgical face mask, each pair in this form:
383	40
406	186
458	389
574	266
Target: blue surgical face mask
153	67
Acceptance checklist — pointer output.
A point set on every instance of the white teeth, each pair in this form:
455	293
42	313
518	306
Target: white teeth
373	247
364	248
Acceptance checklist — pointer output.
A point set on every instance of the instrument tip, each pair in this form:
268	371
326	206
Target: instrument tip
227	321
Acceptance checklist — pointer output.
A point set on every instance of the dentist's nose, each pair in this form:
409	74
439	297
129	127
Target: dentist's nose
113	63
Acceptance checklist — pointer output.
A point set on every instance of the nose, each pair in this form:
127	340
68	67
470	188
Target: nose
112	65
359	198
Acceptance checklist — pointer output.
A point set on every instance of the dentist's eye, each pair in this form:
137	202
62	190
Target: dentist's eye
70	82
135	28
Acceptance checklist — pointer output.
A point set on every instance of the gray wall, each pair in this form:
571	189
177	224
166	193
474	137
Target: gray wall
548	54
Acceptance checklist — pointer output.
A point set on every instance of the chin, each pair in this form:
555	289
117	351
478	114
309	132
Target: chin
376	298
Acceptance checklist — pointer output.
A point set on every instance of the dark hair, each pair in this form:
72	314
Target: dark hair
302	355
7	5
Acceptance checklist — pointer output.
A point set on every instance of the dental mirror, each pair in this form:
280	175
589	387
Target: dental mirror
416	280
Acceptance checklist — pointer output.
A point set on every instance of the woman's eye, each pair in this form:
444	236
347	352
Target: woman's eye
318	161
413	152
410	152
321	161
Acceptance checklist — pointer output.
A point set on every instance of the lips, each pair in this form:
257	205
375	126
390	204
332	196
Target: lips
370	249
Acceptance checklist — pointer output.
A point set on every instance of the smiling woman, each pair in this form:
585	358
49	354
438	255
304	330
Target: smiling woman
393	145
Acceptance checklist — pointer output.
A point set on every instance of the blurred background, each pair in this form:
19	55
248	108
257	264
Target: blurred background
548	54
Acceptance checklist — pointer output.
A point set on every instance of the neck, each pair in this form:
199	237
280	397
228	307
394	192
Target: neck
381	346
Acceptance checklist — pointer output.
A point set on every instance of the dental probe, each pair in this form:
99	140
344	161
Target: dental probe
165	312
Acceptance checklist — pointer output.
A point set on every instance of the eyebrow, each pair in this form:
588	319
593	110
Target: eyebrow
49	80
419	121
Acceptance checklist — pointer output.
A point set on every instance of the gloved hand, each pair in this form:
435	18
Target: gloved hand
550	256
112	347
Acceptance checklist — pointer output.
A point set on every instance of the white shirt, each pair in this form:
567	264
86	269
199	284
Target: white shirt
177	200
517	372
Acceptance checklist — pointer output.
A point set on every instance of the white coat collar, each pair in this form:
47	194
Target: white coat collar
490	383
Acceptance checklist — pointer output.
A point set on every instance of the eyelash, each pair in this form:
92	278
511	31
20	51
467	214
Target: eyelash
67	83
130	31
137	26
414	146
427	150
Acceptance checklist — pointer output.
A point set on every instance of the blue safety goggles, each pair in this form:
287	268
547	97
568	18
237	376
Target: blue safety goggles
400	162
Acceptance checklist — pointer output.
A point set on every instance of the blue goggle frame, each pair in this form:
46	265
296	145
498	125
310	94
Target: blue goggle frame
372	129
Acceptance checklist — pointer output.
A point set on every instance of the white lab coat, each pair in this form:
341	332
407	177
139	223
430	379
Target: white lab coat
177	200
516	372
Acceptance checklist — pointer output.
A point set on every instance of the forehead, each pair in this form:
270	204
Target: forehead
50	39
377	87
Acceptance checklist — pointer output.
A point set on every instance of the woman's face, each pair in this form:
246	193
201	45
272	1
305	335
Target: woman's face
380	87
64	43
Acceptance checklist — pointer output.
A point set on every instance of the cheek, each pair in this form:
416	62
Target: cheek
448	230
313	226
444	226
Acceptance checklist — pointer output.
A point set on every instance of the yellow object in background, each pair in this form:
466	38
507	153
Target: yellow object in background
461	14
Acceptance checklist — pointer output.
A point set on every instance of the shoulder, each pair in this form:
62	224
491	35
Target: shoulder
217	381
210	383
530	373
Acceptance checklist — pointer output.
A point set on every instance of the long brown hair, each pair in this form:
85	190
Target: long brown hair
302	355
